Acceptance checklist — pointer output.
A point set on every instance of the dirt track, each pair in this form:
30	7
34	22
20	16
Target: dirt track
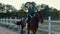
4	30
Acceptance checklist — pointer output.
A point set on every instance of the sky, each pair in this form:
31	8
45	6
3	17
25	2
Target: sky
17	3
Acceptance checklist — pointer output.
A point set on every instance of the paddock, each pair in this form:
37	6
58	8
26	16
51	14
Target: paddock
48	27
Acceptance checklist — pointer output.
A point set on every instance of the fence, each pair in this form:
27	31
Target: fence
9	23
49	26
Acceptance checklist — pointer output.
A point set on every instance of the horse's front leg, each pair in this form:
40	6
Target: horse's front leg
34	31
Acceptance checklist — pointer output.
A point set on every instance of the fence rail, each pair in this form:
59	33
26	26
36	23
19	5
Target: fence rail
9	21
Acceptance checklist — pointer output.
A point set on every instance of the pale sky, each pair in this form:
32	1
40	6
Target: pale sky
17	3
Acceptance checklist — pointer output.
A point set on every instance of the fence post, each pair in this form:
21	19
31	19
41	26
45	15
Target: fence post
15	19
15	22
10	22
7	21
4	21
1	20
49	27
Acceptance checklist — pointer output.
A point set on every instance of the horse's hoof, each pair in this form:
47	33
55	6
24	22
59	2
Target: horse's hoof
23	32
30	33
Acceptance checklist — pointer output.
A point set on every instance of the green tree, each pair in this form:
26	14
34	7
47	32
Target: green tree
10	7
2	7
21	13
46	10
55	14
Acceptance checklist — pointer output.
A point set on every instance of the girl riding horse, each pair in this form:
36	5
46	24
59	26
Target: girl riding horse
33	20
33	25
30	15
30	12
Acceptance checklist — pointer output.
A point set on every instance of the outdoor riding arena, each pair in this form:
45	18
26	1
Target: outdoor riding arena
49	26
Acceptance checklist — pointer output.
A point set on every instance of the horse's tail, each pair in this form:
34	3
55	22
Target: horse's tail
41	21
18	23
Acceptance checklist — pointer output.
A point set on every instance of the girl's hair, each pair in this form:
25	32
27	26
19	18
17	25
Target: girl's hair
31	4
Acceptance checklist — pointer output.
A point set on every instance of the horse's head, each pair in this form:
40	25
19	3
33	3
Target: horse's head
39	17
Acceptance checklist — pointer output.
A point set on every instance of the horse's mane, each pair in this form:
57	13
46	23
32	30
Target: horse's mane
35	18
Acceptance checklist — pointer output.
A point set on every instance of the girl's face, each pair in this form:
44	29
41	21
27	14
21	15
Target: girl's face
30	6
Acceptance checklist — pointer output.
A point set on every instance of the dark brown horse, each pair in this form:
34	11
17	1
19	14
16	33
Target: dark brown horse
23	25
33	24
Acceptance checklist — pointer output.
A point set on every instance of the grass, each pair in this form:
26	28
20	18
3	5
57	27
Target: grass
53	23
42	32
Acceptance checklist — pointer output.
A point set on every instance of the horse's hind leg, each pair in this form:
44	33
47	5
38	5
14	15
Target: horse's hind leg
21	29
28	30
34	32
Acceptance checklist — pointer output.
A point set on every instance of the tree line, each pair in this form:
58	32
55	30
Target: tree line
10	11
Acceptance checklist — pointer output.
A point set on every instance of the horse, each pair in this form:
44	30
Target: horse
33	24
22	23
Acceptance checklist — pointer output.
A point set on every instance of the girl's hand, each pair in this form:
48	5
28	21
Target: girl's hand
30	16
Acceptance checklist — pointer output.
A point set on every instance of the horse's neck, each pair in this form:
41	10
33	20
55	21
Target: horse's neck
35	18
